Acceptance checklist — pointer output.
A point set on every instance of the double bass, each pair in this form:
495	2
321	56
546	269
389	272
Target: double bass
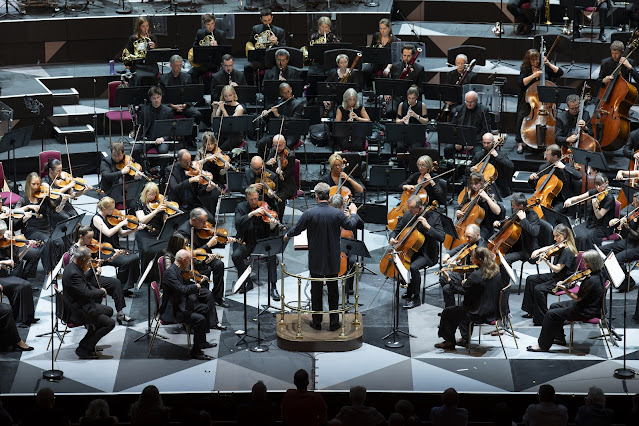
610	122
539	126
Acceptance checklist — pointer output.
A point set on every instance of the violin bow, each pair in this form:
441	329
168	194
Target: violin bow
170	174
68	156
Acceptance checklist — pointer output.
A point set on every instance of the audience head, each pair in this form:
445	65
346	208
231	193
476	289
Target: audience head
450	398
300	379
595	396
396	419
45	398
546	392
358	395
503	415
97	409
258	391
405	408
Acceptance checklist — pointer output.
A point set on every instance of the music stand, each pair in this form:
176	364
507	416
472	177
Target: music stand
291	126
316	51
375	55
11	140
346	129
152	264
210	55
125	96
233	125
554	218
173	127
271	88
132	190
356	247
443	93
449	226
332	91
245	94
154	56
555	94
383	175
171	225
400	272
189	93
388	86
410	134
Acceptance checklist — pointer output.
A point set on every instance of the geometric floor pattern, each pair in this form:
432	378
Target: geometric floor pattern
417	366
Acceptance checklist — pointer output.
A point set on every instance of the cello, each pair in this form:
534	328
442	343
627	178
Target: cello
504	239
409	241
540	124
547	189
484	167
610	122
633	182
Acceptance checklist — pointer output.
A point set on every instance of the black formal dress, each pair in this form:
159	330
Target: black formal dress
8	331
416	75
294	108
286	186
148	115
145	73
428	254
230	140
590	292
477	118
627	249
168	80
539	286
147	240
570	179
505	170
323	224
250	230
127	265
83	303
523	107
222	78
215	266
249	68
527	242
350	143
591	231
67	211
434	192
354	77
453	284
17	290
481	305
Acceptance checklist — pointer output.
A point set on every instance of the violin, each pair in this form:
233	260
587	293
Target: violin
45	191
79	183
282	161
268	214
201	255
18	241
572	280
16	213
104	248
265	178
222	160
634	214
550	252
195	276
209	231
195	169
133	167
172	207
132	222
460	269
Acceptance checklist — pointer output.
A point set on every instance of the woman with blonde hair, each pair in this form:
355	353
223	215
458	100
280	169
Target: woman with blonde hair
228	106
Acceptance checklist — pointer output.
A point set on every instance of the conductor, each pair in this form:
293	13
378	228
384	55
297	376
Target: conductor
323	223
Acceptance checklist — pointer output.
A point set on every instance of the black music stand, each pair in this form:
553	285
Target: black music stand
388	86
210	55
596	160
153	56
356	247
174	127
555	94
231	125
346	129
125	96
271	89
449	226
332	91
186	94
132	190
443	93
171	224
395	343
11	140
410	134
375	55
385	176
316	51
245	94
554	218
449	133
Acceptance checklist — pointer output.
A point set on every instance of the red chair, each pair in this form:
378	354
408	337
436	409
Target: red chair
45	157
303	145
596	321
300	193
119	116
8	197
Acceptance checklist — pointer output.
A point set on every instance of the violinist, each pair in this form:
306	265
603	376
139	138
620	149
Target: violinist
431	227
255	177
35	226
586	303
251	227
180	303
61	209
111	175
566	173
178	78
127	265
84	238
481	291
567	123
198	221
562	263
384	38
452	281
185	189
17	290
228	106
323	224
213	161
152	216
178	242
287	106
336	173
227	76
351	110
504	167
433	187
529	73
529	221
150	112
493	210
452	77
627	250
281	162
600	210
470	113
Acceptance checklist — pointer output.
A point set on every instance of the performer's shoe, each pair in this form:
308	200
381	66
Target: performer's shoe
527	315
520	28
23	349
315	326
445	345
82	354
531	349
208	345
218	326
275	296
560	342
222	303
123	318
335	326
462	342
412	303
406	295
602	37
201	356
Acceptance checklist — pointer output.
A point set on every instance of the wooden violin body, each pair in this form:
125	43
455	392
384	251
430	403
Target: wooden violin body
545	192
633	165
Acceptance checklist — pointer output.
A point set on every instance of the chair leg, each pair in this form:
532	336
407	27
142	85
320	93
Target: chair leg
110	122
470	335
66	327
604	336
521	276
293	215
188	338
512	330
572	326
153	336
500	339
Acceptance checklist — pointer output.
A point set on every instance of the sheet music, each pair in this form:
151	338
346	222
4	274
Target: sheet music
300	242
617	275
403	272
506	266
55	272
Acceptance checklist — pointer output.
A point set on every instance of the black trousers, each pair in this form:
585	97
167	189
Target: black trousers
451	288
197	320
128	269
113	286
50	253
418	262
538	287
99	323
588	237
514	7
31	258
317	292
216	268
453	317
20	296
517	255
603	16
623	254
553	324
204	297
239	257
8	332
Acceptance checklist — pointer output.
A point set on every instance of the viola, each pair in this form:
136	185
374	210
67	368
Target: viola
133	167
282	161
45	191
172	207
17	241
79	183
194	275
132	222
268	214
572	280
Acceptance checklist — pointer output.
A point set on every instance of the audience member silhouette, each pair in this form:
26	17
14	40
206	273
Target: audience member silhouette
5	418
259	411
45	412
407	411
503	415
97	414
632	418
301	407
546	412
449	414
149	410
357	414
396	419
594	412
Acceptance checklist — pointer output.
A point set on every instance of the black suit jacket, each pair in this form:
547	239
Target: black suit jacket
177	297
186	194
290	73
221	78
111	176
150	114
251	229
452	77
565	126
201	33
167	80
416	75
287	186
632	145
279	33
78	293
433	236
477	117
608	65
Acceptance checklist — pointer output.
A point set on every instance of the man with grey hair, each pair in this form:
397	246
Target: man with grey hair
283	173
470	113
454	76
282	71
594	412
567	122
178	78
357	414
291	108
84	303
323	224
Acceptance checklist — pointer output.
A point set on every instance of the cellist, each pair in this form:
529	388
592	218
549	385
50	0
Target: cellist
530	72
336	172
529	222
433	187
600	210
565	172
430	225
504	167
493	210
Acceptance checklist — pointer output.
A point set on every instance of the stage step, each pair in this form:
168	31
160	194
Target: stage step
67	96
73	134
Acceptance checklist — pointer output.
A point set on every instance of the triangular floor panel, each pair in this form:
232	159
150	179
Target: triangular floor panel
429	378
528	373
396	377
29	380
494	372
232	377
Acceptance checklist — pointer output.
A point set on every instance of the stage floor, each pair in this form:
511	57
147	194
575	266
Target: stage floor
417	366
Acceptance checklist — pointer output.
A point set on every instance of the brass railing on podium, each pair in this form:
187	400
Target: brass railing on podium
345	307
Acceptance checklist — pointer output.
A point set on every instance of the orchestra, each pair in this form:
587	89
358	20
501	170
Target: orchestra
489	217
